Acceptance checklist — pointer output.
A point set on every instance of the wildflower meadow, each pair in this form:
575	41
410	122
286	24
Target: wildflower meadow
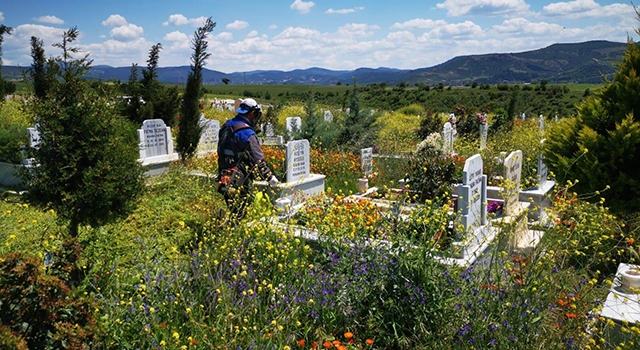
98	256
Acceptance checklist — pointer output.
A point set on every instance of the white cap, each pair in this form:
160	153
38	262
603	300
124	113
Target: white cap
247	105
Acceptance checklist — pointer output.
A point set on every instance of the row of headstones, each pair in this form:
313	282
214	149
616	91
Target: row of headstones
472	193
449	131
155	139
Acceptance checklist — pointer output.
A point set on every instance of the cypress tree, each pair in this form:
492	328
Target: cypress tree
189	129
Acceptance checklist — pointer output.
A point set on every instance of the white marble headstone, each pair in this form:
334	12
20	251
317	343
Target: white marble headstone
155	139
472	193
484	131
298	162
366	160
543	171
34	137
447	136
328	116
512	173
209	137
269	131
541	123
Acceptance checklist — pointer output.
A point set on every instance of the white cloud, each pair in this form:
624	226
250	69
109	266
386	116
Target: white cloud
252	34
127	32
482	7
344	11
1	16
273	26
114	21
302	6
49	19
586	8
466	29
224	36
401	36
357	30
16	47
237	25
120	53
176	36
524	26
419	23
179	40
181	20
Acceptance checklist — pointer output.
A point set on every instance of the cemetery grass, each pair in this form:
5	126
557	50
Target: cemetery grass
174	276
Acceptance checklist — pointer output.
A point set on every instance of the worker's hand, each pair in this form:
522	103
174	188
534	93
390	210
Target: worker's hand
273	180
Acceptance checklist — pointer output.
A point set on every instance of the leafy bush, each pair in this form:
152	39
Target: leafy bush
41	308
431	172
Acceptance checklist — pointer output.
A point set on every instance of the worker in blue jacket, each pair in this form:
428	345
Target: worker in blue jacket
240	158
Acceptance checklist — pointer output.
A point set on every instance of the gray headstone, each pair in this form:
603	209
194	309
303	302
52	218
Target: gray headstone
298	163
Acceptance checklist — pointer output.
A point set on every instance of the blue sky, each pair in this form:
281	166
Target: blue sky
298	34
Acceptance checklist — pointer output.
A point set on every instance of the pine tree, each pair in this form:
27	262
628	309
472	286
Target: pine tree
358	127
600	147
86	162
42	71
189	129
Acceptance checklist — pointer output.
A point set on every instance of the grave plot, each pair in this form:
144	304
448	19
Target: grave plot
298	183
156	146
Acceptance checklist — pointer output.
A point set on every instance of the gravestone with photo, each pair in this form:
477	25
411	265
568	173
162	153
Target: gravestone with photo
156	146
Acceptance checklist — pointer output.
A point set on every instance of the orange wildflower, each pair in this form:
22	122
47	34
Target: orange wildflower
314	345
348	335
570	315
369	341
563	303
631	241
327	344
301	342
193	342
336	342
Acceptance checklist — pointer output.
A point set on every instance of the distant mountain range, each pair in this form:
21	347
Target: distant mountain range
583	63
